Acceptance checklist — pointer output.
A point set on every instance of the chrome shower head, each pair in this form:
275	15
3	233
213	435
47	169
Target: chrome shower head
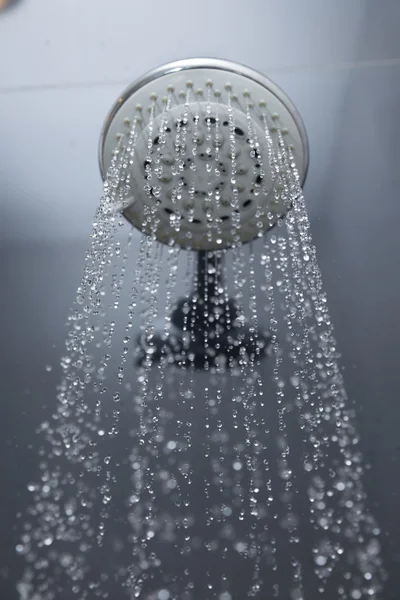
196	137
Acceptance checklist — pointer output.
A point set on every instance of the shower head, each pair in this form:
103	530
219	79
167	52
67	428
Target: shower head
195	140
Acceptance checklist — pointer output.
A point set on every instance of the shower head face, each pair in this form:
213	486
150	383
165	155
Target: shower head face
196	139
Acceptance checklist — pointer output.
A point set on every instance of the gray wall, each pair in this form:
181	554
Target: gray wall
340	63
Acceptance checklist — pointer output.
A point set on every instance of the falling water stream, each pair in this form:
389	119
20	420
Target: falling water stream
242	479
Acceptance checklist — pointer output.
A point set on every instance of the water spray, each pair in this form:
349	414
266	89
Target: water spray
243	480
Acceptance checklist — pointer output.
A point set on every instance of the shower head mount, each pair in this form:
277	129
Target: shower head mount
190	118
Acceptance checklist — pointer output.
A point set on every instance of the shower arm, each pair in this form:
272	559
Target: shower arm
202	299
229	338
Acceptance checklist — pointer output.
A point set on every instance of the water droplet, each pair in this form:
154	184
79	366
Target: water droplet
48	540
295	381
66	560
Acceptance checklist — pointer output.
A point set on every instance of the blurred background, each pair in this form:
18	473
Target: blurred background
62	66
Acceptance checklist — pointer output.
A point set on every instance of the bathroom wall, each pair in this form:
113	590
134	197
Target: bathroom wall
63	64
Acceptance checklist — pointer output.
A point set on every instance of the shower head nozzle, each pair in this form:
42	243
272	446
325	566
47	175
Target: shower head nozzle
197	141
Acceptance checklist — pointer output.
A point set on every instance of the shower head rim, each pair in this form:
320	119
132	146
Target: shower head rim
207	63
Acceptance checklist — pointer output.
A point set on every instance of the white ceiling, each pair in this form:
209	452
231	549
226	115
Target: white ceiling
64	63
